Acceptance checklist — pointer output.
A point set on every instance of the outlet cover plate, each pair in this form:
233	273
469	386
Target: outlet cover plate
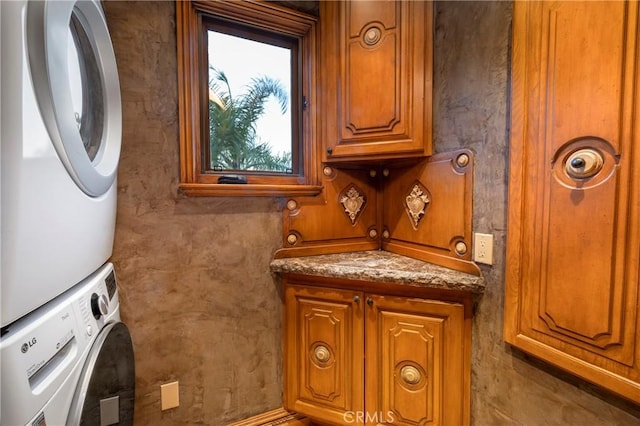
483	248
169	395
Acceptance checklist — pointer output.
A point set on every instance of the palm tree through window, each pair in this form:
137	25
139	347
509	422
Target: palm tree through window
230	99
251	108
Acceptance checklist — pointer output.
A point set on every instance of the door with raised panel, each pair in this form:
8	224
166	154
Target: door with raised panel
574	222
376	76
417	362
324	357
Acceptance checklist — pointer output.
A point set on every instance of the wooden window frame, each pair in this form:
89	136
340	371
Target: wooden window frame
192	54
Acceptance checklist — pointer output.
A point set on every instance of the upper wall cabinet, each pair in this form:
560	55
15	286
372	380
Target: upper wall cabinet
574	195
376	71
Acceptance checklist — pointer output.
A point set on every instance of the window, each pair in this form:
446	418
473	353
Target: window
246	80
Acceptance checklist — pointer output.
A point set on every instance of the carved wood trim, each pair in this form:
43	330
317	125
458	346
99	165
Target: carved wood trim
319	225
445	225
416	203
353	202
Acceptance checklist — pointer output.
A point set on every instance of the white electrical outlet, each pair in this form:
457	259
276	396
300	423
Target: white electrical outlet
483	248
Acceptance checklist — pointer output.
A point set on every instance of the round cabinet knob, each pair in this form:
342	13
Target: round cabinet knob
322	354
356	299
329	150
369	301
462	160
372	36
99	305
584	163
410	375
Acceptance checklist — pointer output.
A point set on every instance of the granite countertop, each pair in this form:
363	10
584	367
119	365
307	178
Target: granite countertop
380	266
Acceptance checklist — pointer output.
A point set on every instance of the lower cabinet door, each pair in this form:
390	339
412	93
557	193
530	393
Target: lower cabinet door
323	354
354	358
417	353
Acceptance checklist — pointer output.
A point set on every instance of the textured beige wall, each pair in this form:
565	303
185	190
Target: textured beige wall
195	286
196	291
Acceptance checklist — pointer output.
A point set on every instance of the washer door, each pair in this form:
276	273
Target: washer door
106	388
75	79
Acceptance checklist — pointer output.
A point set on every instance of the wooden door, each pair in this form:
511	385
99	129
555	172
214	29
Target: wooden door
376	79
323	363
573	231
417	369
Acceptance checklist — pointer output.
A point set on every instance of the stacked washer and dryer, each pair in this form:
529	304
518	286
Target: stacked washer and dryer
65	356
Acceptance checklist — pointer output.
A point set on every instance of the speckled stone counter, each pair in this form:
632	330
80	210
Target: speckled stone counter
380	266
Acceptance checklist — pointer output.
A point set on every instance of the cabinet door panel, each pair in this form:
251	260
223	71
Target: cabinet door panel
377	79
415	362
572	275
323	357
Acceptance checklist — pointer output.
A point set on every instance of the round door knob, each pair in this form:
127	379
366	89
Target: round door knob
356	299
329	150
99	305
369	301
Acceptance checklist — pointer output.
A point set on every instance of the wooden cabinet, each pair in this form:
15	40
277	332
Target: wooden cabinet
574	201
324	352
376	79
354	357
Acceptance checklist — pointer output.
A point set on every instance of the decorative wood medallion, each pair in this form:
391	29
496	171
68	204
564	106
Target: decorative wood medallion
416	202
353	202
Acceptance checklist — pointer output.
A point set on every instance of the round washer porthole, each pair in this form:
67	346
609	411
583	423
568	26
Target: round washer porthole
105	392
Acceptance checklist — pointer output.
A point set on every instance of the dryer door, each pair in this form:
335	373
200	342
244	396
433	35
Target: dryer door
106	388
75	78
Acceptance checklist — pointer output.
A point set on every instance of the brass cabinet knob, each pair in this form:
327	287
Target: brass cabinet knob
322	354
584	163
410	375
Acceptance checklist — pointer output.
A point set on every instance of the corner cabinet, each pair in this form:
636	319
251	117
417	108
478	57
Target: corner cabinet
574	190
376	79
357	357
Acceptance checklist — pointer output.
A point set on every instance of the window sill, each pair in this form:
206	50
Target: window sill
249	190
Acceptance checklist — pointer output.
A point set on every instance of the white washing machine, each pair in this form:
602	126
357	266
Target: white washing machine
60	137
70	362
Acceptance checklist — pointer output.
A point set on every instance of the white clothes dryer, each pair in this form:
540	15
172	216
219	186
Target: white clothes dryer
60	137
71	361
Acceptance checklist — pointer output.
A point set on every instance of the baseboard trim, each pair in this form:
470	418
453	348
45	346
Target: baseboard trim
277	417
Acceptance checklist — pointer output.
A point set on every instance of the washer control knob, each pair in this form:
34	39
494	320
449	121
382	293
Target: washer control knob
89	330
99	305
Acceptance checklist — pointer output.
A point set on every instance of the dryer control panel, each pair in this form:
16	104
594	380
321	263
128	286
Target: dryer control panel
40	353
